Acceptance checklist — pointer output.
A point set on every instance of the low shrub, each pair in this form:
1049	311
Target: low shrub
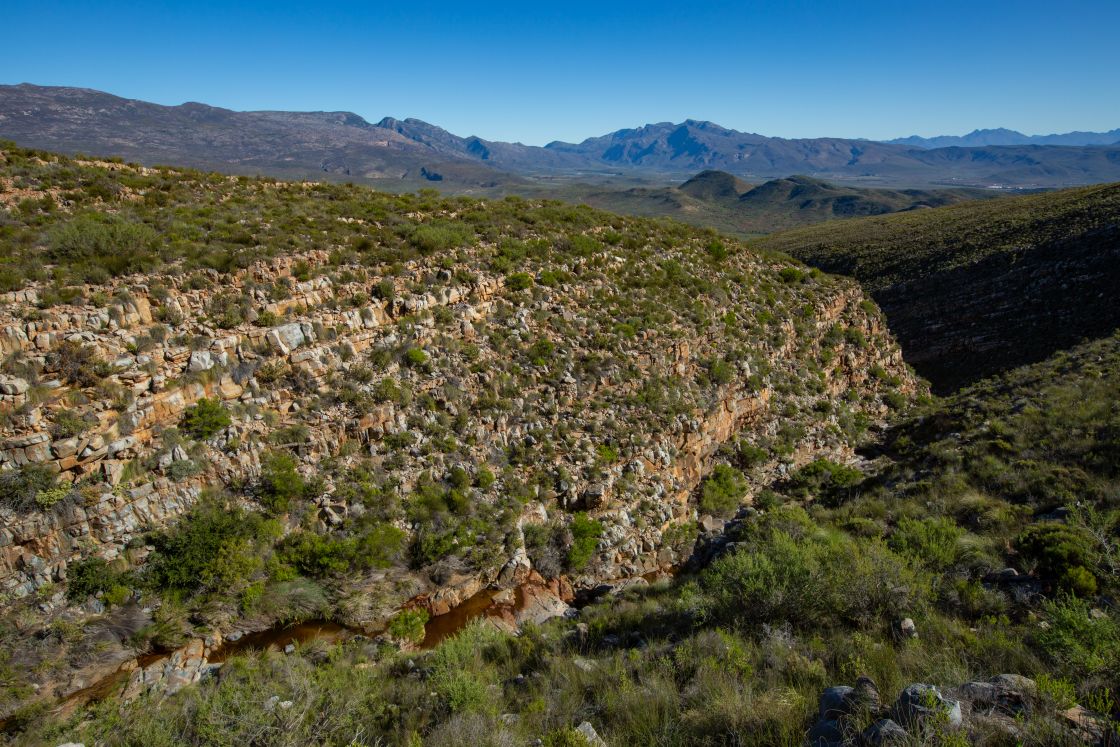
206	418
585	539
722	491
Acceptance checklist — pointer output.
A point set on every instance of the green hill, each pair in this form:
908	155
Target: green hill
980	287
717	199
715	186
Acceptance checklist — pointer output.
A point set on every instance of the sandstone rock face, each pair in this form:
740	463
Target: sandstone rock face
169	378
185	666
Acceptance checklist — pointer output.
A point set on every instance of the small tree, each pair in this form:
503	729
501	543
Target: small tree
206	419
585	538
280	482
721	492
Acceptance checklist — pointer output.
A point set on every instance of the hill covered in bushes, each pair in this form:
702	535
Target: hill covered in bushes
977	288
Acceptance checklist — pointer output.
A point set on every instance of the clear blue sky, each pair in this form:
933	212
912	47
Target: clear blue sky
535	72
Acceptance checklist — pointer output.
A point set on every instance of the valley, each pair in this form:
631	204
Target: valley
290	461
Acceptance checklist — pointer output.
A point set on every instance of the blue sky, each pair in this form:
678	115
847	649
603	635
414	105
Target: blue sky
538	72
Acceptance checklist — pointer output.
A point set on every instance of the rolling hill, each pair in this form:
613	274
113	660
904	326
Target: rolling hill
720	200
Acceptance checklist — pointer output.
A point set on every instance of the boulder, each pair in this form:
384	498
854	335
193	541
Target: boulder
884	732
919	704
285	338
587	731
826	733
835	702
201	360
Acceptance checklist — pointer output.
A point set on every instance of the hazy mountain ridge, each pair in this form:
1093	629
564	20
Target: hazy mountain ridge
409	152
1004	136
299	144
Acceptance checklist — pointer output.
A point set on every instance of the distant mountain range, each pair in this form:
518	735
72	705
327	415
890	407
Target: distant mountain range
406	153
1003	136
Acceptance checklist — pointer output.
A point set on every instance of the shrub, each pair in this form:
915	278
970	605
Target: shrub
315	554
105	243
415	358
206	418
540	352
68	423
822	579
48	497
932	541
21	487
76	364
717	250
87	577
722	491
212	547
519	281
1061	553
280	483
825	479
1081	642
432	238
585	539
792	275
485	478
408	625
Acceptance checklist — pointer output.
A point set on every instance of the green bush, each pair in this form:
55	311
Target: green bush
932	541
280	483
315	554
825	479
432	238
519	281
787	572
792	275
206	418
87	577
1080	641
21	487
97	242
540	352
408	625
68	423
585	540
1061	553
377	545
722	491
76	364
415	358
212	547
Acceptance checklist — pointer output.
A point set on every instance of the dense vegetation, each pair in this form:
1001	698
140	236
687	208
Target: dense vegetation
811	594
889	250
976	289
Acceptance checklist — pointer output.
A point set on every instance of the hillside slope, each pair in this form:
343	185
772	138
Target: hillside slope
360	401
960	591
977	288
